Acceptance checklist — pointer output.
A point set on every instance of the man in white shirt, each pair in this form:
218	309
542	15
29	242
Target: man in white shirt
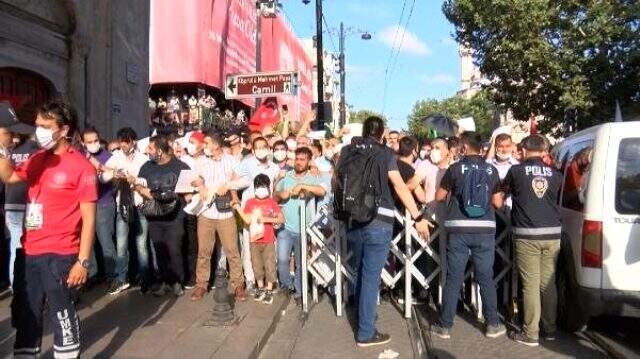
215	171
124	164
502	155
251	166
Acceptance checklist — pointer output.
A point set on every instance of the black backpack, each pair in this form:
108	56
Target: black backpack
358	188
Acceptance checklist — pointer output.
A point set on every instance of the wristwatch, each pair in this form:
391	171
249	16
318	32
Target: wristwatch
84	263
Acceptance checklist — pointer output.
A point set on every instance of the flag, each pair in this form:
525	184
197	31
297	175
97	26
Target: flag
266	115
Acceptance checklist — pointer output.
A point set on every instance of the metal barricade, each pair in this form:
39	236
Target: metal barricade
326	257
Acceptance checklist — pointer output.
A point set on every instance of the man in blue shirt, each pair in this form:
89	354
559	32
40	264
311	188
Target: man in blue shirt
296	184
106	209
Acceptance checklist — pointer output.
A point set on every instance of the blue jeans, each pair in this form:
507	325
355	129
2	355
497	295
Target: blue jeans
370	246
105	227
122	247
482	250
287	241
14	221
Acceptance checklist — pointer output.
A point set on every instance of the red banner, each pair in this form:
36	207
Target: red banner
203	41
282	51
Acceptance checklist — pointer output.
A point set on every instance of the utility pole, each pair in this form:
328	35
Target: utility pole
343	110
258	42
319	60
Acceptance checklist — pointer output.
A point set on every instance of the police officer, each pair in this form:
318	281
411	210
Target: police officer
471	226
534	188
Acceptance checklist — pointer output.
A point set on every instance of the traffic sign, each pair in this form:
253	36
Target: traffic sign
261	84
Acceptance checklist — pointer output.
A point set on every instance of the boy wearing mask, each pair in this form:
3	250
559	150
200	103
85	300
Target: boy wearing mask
261	213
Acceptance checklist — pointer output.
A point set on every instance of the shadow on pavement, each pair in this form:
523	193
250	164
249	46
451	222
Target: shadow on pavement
125	314
468	337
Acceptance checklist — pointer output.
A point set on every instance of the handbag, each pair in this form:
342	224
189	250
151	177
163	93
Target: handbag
162	204
223	203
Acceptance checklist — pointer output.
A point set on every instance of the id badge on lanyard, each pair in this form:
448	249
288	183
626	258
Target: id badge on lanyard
34	215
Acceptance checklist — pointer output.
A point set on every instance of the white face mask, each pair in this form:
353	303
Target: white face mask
262	192
44	136
93	148
191	148
435	156
208	152
262	153
328	154
280	155
423	154
503	158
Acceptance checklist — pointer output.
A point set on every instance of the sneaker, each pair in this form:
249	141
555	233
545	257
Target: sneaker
378	339
189	285
268	297
441	332
251	288
494	331
177	289
523	339
160	290
259	295
414	301
118	287
240	294
549	337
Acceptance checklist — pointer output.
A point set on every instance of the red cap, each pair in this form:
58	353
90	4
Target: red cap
198	136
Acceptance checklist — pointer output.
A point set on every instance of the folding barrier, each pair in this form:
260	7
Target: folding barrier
326	258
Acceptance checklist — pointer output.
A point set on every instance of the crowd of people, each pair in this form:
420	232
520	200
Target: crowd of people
192	203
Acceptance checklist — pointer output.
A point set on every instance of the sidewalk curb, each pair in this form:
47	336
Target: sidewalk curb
262	342
419	342
602	343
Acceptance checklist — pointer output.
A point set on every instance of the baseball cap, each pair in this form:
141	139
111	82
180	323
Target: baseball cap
9	120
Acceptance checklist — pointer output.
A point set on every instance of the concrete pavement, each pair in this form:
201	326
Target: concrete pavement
468	341
324	335
132	325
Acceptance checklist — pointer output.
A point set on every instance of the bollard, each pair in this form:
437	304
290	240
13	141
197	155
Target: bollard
223	314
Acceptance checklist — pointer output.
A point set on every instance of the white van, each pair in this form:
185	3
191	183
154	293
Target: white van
599	267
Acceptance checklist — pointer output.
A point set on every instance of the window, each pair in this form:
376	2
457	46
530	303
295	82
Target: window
576	163
628	177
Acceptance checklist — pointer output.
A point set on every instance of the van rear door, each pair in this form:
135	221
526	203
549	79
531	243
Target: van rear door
621	215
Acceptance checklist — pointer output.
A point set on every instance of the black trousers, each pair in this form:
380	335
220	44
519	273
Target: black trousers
166	237
190	248
40	277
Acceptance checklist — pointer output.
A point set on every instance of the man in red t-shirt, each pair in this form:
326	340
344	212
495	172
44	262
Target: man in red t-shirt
261	214
59	234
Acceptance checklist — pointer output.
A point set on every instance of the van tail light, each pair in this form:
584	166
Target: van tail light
592	244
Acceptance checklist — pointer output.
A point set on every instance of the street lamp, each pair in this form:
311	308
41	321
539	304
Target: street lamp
365	35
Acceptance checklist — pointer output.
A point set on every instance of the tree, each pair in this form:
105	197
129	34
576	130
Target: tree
550	58
480	107
361	115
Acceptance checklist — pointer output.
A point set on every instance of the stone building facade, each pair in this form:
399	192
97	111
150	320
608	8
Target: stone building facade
95	53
